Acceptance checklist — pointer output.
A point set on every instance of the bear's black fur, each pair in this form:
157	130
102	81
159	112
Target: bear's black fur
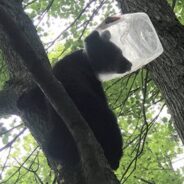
78	72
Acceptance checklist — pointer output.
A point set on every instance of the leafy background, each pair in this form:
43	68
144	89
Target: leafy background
152	149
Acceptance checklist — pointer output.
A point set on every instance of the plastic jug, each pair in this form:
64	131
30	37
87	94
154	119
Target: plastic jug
135	35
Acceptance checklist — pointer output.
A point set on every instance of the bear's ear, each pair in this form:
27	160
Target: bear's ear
106	35
93	37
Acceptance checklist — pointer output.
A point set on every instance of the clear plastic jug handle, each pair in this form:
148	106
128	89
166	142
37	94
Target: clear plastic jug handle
109	21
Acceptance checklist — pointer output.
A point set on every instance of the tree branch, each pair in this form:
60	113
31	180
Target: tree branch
9	130
9	144
18	170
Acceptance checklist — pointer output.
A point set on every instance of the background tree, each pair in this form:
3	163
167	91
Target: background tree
151	142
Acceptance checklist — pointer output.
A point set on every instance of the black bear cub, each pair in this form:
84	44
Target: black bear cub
79	73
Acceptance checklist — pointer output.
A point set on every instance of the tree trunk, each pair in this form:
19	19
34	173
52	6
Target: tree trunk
168	70
21	81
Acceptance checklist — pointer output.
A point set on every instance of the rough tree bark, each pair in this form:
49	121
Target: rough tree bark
21	81
94	166
168	70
